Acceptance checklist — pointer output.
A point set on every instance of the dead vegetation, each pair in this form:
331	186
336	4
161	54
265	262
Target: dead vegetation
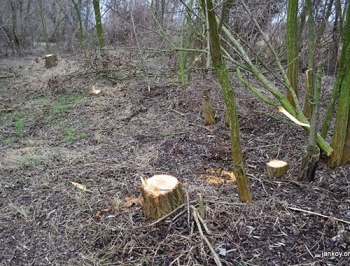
53	132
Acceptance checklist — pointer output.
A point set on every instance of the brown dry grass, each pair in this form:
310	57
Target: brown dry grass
50	137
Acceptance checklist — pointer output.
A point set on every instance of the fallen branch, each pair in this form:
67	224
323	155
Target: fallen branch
196	218
166	216
318	214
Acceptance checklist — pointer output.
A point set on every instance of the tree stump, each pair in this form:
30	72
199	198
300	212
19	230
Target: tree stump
208	111
309	163
50	60
161	194
276	168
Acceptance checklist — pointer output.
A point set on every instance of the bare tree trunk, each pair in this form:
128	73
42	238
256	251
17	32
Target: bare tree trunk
99	28
312	151
341	137
159	10
225	18
81	35
43	24
226	87
225	14
311	60
332	66
292	45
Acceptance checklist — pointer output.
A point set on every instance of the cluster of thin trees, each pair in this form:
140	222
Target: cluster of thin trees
66	23
259	39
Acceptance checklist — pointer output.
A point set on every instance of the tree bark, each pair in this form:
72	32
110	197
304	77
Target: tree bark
341	136
309	163
226	87
51	60
312	151
99	28
208	111
161	194
276	168
292	44
77	8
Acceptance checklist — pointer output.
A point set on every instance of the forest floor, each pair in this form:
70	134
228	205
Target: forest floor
53	132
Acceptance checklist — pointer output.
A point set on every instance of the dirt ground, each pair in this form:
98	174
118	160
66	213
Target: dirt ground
53	132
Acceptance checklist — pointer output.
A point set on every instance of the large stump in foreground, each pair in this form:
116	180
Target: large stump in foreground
276	168
161	194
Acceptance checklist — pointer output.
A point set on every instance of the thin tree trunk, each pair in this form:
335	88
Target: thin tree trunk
99	28
302	21
341	137
187	30
43	23
292	47
333	62
311	60
225	14
312	151
80	36
226	87
346	151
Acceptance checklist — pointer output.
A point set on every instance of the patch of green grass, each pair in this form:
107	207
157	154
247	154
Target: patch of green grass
64	103
54	121
20	121
28	160
40	101
17	121
61	107
13	120
19	126
2	86
70	134
9	140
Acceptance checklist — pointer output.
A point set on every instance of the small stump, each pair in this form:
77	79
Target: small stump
276	168
161	195
208	111
50	60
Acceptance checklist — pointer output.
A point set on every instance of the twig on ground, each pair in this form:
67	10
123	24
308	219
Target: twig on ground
204	225
205	127
188	208
201	206
308	250
178	112
196	218
318	214
166	216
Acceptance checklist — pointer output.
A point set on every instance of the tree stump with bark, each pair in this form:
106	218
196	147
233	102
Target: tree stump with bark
276	168
208	111
50	60
309	163
161	195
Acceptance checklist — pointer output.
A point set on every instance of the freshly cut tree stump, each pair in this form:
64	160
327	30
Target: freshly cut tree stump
161	194
276	168
50	60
